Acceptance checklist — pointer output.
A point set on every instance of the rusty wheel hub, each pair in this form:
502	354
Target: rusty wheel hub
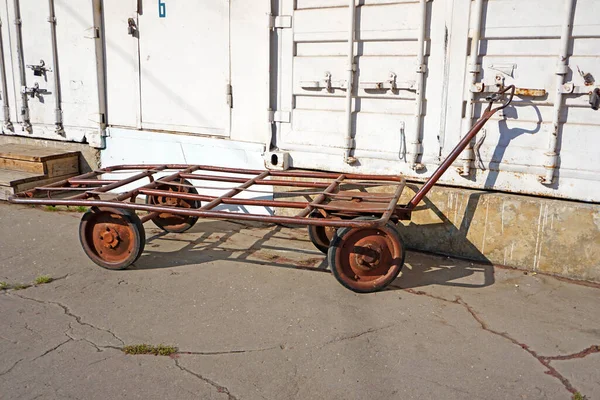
110	238
366	259
368	256
169	222
113	238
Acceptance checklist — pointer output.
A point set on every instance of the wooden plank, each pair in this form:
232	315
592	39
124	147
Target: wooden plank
62	166
33	153
22	165
13	178
41	182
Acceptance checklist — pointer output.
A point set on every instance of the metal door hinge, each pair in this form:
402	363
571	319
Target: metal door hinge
280	116
229	95
280	21
92	33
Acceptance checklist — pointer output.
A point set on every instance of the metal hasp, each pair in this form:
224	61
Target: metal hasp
25	122
365	253
488	113
58	121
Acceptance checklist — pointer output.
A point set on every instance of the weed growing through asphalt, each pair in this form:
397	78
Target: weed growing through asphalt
20	286
3	285
80	209
160	350
40	280
579	396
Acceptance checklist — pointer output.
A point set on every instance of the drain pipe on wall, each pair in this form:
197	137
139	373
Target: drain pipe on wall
562	69
474	69
58	122
8	126
25	124
350	143
417	147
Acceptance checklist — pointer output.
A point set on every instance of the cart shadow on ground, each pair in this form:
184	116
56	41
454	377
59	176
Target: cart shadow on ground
289	247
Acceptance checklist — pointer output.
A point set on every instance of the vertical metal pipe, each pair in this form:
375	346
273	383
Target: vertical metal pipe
561	71
25	124
5	106
58	122
417	147
350	143
474	70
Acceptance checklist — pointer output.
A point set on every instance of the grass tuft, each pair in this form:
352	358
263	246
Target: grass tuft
50	208
20	286
40	280
160	350
3	285
579	396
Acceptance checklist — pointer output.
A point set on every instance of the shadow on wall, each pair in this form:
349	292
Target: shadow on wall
426	237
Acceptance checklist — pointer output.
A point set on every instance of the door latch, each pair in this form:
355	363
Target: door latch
595	99
33	91
39	69
131	27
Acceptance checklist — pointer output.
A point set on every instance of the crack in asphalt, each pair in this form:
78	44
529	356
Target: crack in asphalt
545	361
220	388
53	348
357	335
216	353
68	312
582	354
11	368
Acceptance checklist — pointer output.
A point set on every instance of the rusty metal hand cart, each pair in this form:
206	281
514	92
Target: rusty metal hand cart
356	229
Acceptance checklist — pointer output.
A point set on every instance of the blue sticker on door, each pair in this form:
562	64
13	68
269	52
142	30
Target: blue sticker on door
162	9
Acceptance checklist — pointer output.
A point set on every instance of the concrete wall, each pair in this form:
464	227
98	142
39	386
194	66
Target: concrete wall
531	233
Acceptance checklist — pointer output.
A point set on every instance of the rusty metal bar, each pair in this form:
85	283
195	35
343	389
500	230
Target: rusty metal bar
134	192
320	198
263	203
203	213
273	182
76	181
123	182
235	191
489	112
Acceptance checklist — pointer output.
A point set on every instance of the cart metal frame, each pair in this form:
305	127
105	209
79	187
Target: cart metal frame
336	203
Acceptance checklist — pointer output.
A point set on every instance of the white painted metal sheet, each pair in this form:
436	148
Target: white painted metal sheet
520	43
184	66
76	40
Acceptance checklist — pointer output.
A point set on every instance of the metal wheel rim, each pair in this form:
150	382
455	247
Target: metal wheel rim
171	222
381	251
110	238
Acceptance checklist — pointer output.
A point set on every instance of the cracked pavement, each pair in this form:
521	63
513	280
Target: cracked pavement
256	315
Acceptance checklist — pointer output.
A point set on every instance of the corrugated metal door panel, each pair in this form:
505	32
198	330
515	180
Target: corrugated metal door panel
76	49
10	67
386	45
520	45
37	48
184	61
122	64
77	56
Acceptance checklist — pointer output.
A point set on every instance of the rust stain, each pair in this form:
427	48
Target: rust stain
530	92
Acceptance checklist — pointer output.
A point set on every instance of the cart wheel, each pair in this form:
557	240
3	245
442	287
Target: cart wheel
366	260
174	223
113	238
320	236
